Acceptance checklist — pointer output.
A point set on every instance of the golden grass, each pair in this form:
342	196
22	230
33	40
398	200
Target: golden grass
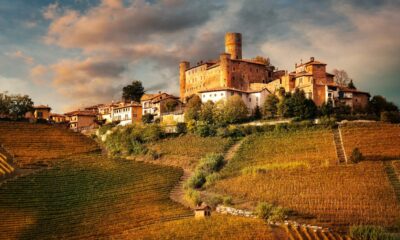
215	227
302	148
352	194
375	140
185	151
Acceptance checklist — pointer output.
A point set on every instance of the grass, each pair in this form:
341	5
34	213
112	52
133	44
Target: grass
352	194
274	150
185	151
88	197
375	140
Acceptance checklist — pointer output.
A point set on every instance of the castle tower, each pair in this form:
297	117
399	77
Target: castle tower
183	66
225	76
233	45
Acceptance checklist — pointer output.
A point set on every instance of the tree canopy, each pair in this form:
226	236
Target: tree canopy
15	105
193	108
341	77
133	91
270	107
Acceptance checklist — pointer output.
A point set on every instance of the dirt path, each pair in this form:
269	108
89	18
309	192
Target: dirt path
177	193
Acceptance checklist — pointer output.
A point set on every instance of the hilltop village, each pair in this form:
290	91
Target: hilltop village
215	80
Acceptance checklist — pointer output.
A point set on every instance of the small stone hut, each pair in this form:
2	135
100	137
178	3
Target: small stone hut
202	211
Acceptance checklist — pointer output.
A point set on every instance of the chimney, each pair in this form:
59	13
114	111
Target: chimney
311	59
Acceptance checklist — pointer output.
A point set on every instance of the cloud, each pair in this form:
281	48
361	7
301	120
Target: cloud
20	55
51	11
91	80
39	74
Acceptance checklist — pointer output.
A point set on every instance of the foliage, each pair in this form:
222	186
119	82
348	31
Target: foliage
256	115
379	104
206	112
351	84
341	109
193	108
390	117
204	130
297	105
169	105
326	109
208	165
181	128
103	129
356	156
370	232
147	118
227	200
235	110
197	180
270	107
15	105
133	91
270	212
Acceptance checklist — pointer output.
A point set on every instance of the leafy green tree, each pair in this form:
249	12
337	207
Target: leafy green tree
270	107
133	91
235	110
169	105
147	118
326	109
20	105
5	103
206	112
257	113
379	104
193	108
298	106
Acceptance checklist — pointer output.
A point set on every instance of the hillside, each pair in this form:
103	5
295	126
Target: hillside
298	170
33	143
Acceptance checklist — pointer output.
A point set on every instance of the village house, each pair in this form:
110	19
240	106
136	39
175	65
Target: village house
127	113
57	118
202	211
160	104
41	112
82	120
252	98
105	112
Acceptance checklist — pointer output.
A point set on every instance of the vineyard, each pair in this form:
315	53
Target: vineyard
88	196
185	151
375	140
30	143
306	148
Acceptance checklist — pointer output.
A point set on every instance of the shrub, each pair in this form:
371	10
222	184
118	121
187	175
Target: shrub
356	156
214	200
152	132
192	196
390	117
210	163
147	118
191	126
369	232
264	210
212	178
181	128
227	200
278	214
103	129
197	180
205	130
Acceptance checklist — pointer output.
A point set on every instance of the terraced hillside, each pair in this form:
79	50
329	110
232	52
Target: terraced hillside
5	167
88	196
297	170
376	141
30	143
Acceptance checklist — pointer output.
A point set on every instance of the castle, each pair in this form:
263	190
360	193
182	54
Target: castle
253	79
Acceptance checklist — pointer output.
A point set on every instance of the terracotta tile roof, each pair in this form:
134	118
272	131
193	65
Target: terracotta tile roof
56	115
346	89
81	113
300	74
132	104
147	96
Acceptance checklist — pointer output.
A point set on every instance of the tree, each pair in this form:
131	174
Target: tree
147	118
341	77
235	110
5	103
20	105
206	112
270	107
193	108
133	91
257	113
351	85
326	109
169	105
297	105
263	60
379	104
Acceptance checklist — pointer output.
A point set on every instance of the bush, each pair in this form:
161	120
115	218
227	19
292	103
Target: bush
356	156
181	128
227	200
147	118
152	133
210	163
270	212
197	180
192	196
390	117
212	178
264	210
369	232
214	200
103	129
205	130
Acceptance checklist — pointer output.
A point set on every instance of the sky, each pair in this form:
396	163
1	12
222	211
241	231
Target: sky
74	53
